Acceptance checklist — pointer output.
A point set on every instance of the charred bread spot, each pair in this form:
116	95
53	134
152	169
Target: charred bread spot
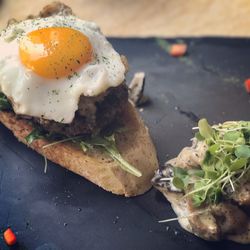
56	8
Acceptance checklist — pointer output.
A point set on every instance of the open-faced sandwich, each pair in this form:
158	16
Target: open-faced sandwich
63	93
208	184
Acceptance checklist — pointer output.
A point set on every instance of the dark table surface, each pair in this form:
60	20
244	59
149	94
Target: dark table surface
60	210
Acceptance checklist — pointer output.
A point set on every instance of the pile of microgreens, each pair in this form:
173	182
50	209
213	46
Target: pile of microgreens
225	166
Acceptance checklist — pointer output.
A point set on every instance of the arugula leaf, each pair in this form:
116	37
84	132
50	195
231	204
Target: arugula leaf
4	102
34	135
114	154
85	146
109	145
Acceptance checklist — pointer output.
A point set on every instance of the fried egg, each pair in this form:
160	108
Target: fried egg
46	64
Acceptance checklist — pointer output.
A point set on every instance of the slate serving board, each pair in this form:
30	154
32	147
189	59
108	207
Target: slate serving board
60	210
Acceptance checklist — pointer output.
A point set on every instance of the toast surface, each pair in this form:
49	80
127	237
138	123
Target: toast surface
134	144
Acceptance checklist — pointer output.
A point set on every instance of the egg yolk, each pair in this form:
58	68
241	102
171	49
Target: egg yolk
55	52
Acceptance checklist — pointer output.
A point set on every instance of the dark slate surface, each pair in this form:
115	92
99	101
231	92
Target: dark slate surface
61	210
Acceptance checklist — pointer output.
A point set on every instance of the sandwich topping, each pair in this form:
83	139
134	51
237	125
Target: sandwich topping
48	64
212	179
62	75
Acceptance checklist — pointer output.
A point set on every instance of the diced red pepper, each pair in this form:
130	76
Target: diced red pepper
247	85
9	237
178	50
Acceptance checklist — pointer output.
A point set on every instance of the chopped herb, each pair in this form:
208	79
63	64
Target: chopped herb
162	43
55	91
72	75
69	77
76	74
15	34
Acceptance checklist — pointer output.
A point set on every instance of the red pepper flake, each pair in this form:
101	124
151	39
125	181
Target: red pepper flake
247	85
178	49
9	237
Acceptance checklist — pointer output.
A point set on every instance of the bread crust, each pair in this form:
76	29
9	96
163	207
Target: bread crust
134	144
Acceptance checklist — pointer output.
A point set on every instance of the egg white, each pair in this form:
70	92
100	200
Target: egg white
56	99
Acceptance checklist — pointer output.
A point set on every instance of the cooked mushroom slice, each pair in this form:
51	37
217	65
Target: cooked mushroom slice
136	88
205	226
242	195
241	237
230	218
190	157
56	8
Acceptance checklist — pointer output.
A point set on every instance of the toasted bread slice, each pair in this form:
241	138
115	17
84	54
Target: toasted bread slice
134	144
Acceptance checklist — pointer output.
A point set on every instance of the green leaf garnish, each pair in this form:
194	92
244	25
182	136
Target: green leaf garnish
34	135
4	102
109	145
85	146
